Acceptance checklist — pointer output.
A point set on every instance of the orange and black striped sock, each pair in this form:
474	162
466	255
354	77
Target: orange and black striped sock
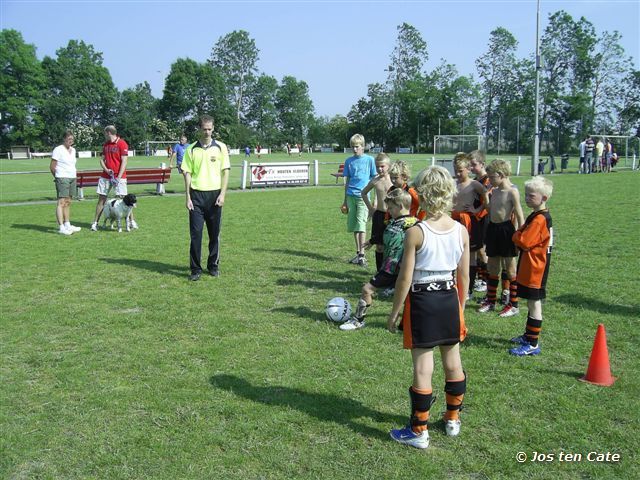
505	281
454	391
532	331
483	273
492	287
473	270
513	292
420	405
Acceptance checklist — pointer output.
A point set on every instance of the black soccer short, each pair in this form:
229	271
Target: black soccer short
377	228
383	280
477	233
499	242
435	316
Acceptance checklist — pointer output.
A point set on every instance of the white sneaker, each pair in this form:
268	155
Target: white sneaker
505	297
94	227
407	436
452	427
354	260
133	225
487	306
352	324
480	286
64	231
509	311
389	292
74	229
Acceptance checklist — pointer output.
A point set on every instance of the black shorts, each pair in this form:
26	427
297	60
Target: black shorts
434	316
499	242
383	280
476	236
532	293
377	228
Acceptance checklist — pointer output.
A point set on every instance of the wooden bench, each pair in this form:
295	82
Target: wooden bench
135	176
339	173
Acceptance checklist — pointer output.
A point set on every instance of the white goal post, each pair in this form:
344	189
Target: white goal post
452	144
158	148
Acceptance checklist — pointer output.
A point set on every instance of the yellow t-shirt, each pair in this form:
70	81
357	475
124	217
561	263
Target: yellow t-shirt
206	165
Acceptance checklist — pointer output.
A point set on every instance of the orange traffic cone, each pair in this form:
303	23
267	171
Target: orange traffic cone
599	371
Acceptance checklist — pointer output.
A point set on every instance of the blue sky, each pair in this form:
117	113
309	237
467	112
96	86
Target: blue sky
337	47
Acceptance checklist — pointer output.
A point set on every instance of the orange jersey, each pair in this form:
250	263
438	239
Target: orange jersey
535	241
414	210
464	218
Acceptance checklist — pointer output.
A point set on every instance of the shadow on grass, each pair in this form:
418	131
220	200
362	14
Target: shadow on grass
590	303
556	371
473	340
39	228
303	312
150	265
296	253
324	407
333	285
359	275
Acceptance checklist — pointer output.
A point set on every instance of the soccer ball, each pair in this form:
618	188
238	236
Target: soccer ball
338	309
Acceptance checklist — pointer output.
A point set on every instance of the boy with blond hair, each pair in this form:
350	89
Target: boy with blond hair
535	241
504	203
359	169
380	184
471	198
399	174
398	203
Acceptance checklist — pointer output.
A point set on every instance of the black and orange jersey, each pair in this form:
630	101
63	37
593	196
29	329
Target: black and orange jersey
414	210
478	202
535	241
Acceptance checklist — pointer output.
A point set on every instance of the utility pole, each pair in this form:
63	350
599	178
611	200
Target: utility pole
536	141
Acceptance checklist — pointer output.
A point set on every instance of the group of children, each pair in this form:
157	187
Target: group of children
432	239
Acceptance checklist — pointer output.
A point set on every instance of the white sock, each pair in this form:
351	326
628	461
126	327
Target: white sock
62	227
67	224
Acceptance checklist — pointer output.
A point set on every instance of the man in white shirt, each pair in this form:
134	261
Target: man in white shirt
63	169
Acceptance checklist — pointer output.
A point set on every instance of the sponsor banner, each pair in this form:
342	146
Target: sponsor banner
404	150
376	150
234	151
326	149
263	151
84	154
279	174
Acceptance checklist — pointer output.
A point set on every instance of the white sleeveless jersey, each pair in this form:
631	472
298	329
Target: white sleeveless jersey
439	254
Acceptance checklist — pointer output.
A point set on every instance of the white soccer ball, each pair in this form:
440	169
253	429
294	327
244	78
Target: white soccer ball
338	309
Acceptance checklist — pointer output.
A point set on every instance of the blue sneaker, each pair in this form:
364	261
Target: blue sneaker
407	436
520	340
525	350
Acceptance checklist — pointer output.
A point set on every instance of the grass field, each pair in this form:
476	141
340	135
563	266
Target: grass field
113	365
38	184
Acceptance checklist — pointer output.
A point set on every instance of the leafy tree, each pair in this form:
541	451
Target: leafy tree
295	109
191	90
630	113
369	115
80	90
496	69
262	113
135	111
235	56
406	62
338	129
22	82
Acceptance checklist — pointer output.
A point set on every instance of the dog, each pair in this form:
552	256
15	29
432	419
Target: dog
117	209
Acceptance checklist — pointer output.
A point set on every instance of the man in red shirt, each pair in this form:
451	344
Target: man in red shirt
114	172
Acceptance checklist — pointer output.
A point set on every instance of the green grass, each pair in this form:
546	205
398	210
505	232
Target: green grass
113	365
39	186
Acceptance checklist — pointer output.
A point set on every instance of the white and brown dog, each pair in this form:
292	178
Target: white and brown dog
118	209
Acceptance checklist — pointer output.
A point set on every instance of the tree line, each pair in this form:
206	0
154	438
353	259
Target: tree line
587	85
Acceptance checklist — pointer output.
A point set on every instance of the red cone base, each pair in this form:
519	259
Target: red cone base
599	370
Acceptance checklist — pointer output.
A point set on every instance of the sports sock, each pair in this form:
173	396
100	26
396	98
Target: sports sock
483	273
505	280
361	310
67	224
454	391
379	258
420	405
473	270
492	286
513	292
532	331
